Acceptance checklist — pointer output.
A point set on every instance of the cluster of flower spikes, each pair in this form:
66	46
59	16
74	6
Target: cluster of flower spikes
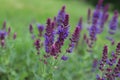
59	27
61	23
110	67
5	34
96	23
37	42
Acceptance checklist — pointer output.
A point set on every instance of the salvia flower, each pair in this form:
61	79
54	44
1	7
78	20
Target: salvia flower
113	23
64	58
104	58
37	44
40	29
61	16
74	39
3	34
49	35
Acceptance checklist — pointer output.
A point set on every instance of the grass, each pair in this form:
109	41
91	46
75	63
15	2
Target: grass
20	13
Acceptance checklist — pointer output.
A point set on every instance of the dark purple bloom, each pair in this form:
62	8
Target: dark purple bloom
53	51
49	35
61	16
64	58
3	34
37	44
40	29
66	20
104	58
76	35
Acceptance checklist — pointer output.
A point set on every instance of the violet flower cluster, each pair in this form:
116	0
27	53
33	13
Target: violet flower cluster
56	32
113	23
110	67
99	17
5	35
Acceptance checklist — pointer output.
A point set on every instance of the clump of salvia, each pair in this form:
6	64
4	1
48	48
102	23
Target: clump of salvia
110	67
5	34
55	32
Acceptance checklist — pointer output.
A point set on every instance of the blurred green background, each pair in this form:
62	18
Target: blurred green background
22	63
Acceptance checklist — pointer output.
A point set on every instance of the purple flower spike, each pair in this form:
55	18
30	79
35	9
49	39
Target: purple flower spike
64	58
66	20
105	52
76	34
40	29
113	23
104	58
93	32
49	35
61	16
74	40
3	34
37	44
